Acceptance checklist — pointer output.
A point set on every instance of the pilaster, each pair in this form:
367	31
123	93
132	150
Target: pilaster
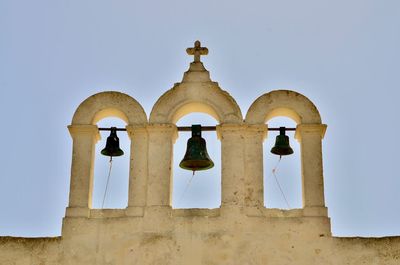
232	164
84	138
310	138
159	184
138	169
254	181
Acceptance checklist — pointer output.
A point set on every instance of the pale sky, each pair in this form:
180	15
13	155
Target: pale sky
342	55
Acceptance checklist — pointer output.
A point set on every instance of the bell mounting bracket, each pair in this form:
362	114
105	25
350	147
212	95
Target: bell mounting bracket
203	128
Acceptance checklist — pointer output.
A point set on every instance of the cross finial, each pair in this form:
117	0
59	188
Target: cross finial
197	51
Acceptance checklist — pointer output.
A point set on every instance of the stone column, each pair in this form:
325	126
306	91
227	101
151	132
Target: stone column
232	166
159	184
137	169
254	182
310	138
84	138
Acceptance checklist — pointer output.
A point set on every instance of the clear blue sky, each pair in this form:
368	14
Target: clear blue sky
343	55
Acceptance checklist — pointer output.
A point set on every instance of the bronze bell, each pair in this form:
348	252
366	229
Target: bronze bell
196	157
282	146
112	145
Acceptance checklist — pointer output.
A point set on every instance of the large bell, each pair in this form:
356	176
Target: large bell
112	145
282	146
196	157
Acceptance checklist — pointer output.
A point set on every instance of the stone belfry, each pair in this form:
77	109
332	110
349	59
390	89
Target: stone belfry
240	232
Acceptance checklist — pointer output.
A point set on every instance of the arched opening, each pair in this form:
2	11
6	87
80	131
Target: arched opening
282	177
113	195
203	190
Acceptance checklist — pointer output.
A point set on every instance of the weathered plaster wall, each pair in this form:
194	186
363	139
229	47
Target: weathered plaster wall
21	251
241	232
189	237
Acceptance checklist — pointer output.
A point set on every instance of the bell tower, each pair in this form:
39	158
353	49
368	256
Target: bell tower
239	232
242	217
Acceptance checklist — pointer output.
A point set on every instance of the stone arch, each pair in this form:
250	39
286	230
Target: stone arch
184	98
109	104
85	135
187	98
309	132
283	103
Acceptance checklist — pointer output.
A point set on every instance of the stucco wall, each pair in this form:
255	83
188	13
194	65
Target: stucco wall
32	251
207	237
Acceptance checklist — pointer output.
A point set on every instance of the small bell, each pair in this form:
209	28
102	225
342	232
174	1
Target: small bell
282	146
196	157
112	145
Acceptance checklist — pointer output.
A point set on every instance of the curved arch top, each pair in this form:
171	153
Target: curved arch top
196	97
109	104
283	103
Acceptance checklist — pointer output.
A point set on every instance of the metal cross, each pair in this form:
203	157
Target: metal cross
197	51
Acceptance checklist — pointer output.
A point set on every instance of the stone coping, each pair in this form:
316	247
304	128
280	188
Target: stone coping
201	212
